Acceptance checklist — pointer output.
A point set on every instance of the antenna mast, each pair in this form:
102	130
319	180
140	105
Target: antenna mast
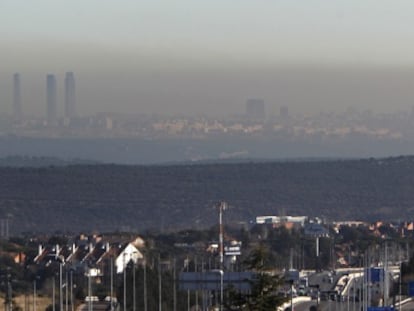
221	207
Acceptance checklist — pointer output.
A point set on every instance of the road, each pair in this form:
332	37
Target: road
329	306
326	282
409	306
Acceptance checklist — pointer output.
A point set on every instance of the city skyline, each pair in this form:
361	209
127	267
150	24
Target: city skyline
335	91
134	135
193	58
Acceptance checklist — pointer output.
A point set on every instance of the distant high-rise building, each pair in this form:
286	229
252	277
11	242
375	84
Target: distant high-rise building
51	100
284	112
412	112
17	98
255	109
70	95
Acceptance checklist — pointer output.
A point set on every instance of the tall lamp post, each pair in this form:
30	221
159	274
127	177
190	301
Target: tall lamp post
89	291
134	302
71	290
145	286
53	294
9	293
400	285
61	287
221	208
34	295
221	272
124	283
221	290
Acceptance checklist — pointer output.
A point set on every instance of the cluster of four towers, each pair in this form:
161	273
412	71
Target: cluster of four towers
51	98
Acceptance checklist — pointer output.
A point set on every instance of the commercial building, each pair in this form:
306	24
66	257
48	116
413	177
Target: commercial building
17	98
70	96
51	100
255	109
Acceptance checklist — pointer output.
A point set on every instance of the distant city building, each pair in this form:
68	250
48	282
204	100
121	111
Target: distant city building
299	220
51	100
70	95
17	98
255	108
284	112
412	112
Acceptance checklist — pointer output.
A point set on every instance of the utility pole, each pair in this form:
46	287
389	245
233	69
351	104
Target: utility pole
145	286
112	283
134	298
124	282
159	284
71	291
174	287
9	293
53	293
66	291
60	288
34	294
221	208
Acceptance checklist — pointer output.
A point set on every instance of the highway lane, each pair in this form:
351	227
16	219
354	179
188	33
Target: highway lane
409	306
326	281
329	306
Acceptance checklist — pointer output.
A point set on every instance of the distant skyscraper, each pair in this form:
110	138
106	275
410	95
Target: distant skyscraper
17	98
70	95
255	109
284	112
51	99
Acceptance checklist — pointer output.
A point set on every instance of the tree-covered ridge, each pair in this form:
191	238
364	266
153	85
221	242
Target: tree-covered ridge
114	197
32	161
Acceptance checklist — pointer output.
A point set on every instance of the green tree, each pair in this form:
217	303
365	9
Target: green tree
265	286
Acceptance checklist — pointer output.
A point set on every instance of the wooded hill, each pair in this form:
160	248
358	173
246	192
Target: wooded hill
113	197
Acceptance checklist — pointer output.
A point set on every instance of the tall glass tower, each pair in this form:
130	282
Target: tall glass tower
51	100
70	95
17	98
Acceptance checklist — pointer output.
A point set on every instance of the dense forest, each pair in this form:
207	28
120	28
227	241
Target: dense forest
72	198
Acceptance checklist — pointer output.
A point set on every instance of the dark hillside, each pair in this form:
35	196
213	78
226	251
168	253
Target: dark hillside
111	197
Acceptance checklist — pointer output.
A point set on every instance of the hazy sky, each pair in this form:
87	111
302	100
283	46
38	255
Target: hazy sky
205	56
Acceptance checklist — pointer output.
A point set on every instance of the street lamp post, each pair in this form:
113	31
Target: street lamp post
53	294
10	294
145	286
34	295
89	291
399	286
66	291
159	284
221	290
124	283
60	287
71	290
221	272
133	288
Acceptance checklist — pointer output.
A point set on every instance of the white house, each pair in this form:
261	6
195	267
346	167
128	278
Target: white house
127	254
